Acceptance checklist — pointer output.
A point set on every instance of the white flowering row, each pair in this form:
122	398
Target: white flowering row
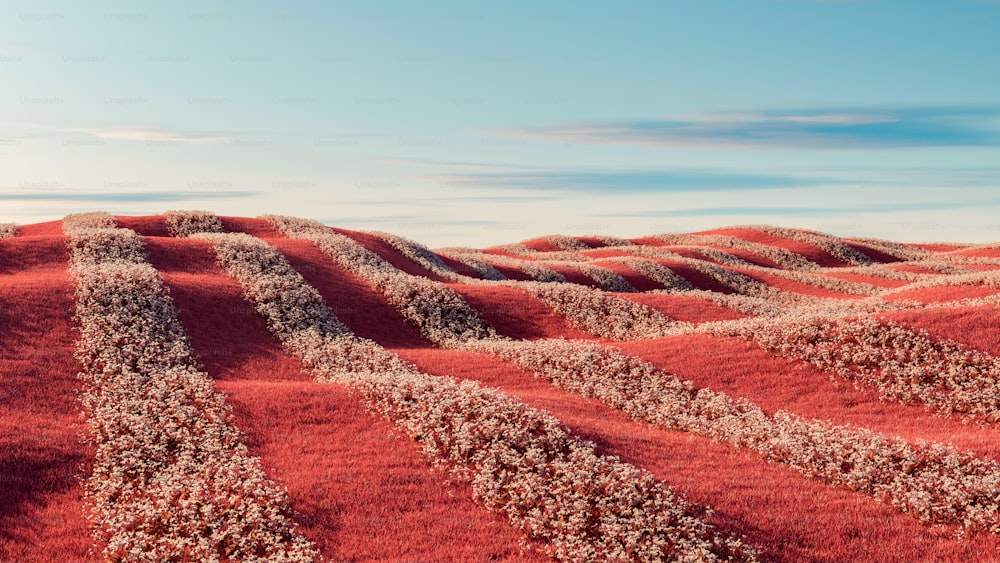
600	313
419	254
886	271
516	248
517	460
605	278
933	482
185	223
485	270
784	258
90	220
656	272
441	314
520	249
172	479
613	241
831	244
7	230
537	271
564	242
902	251
901	364
735	281
743	284
986	278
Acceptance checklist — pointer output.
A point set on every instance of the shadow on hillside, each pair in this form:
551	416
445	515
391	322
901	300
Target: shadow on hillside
31	478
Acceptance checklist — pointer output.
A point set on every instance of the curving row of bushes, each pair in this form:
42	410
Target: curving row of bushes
172	479
933	482
518	461
899	363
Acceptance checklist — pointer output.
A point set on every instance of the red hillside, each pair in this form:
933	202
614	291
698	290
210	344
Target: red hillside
190	387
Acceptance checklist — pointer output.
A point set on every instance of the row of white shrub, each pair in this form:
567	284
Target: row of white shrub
7	230
600	313
964	387
900	250
439	313
518	461
747	286
607	280
784	258
172	479
578	301
901	364
538	272
828	243
485	270
933	482
182	223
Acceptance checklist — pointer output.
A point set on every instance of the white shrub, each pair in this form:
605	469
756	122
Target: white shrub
184	223
172	479
517	460
933	482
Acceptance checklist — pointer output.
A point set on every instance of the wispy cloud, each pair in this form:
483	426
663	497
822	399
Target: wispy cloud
817	128
751	210
624	181
123	197
152	135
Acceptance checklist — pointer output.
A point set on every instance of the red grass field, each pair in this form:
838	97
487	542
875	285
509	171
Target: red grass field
362	487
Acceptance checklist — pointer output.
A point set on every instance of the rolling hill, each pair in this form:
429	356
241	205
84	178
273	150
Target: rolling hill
192	387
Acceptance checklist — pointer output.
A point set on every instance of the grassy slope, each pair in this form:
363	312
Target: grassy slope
362	492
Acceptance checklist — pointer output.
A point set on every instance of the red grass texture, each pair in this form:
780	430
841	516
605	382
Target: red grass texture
42	514
299	392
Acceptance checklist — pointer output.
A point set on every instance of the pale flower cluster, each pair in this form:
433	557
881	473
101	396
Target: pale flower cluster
933	482
784	258
186	223
537	271
601	313
568	243
89	220
654	271
986	278
606	279
172	479
517	460
735	281
831	244
613	241
7	230
901	364
441	314
744	285
419	254
485	270
902	251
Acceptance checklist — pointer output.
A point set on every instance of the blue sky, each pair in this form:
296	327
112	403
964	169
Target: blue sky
462	124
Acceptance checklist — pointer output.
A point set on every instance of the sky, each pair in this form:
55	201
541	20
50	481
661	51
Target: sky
474	124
